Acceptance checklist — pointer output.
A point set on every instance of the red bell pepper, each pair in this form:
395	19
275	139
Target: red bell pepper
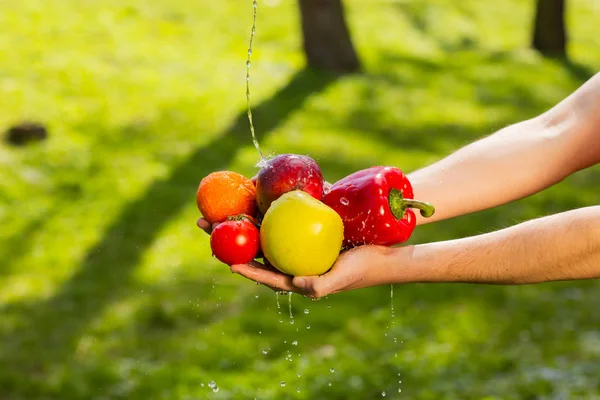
376	206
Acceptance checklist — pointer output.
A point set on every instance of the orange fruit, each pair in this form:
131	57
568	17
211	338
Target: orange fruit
225	194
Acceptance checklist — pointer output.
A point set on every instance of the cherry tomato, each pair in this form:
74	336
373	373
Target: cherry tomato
235	241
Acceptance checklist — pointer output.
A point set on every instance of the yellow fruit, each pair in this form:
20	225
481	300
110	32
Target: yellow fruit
300	235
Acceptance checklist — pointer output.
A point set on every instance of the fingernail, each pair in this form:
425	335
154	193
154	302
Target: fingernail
300	283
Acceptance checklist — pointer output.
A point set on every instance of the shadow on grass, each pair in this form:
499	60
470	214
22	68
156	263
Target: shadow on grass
578	71
56	324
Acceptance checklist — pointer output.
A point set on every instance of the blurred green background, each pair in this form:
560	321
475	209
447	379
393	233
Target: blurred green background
107	288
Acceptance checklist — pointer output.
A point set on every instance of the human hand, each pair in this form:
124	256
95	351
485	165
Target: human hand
271	277
357	268
360	267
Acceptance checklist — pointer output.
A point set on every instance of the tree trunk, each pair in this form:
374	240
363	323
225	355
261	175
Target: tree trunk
327	41
550	36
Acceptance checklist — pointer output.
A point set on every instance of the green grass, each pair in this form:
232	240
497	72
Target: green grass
107	288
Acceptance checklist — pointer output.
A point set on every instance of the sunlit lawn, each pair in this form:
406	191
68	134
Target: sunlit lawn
107	288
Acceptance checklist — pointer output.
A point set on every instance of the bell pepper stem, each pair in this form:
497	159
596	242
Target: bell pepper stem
399	205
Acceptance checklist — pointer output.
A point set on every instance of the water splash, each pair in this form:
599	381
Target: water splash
248	63
278	306
392	301
290	308
392	307
213	386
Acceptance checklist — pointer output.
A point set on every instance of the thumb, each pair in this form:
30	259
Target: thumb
312	286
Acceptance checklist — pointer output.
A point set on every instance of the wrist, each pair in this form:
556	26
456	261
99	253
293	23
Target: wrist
417	263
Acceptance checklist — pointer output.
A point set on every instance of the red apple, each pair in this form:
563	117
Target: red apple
285	173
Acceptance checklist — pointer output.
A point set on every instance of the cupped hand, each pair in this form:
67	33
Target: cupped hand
355	269
348	273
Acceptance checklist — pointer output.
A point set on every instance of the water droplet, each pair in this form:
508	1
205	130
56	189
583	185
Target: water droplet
202	384
331	370
307	326
295	343
248	63
266	351
260	332
249	52
282	383
306	311
399	390
256	297
299	375
298	390
216	389
344	201
212	384
382	394
329	384
328	305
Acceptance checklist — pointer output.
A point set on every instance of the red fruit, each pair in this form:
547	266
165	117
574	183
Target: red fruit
285	173
236	241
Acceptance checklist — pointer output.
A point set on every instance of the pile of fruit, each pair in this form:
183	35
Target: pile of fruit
290	219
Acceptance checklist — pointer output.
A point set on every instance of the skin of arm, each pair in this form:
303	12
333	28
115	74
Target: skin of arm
516	161
510	164
560	247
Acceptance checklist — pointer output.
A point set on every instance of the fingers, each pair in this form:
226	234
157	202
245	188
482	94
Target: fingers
265	275
206	226
312	286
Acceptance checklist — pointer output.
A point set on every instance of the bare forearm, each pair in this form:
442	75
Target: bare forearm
516	161
565	246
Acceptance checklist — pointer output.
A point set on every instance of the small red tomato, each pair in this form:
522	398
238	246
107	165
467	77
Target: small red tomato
235	241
